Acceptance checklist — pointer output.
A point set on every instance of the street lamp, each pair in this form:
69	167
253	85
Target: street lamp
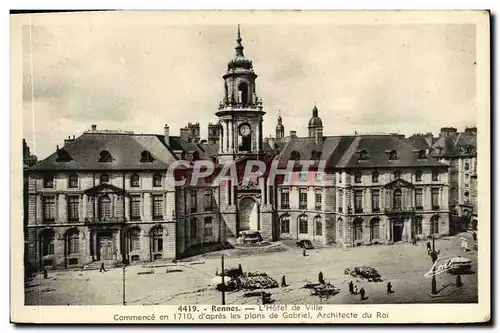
434	257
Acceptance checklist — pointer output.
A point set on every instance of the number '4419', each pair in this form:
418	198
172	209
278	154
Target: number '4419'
187	308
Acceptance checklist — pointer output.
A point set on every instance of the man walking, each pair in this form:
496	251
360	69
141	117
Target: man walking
320	278
102	268
351	288
362	293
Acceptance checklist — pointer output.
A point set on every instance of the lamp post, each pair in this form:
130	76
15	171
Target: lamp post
123	280
223	284
434	257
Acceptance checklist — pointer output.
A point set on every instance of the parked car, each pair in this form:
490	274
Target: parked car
305	244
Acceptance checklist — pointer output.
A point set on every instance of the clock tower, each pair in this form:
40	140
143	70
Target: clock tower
240	112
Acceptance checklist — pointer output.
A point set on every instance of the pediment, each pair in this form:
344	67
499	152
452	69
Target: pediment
104	189
398	183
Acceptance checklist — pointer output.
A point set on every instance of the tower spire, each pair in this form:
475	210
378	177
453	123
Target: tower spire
239	47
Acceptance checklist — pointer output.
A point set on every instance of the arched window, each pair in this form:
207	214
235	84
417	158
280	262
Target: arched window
194	228
358	229
294	155
134	180
393	155
435	224
466	194
73	242
104	207
418	225
418	176
104	178
375	176
318	224
105	157
208	226
47	239
285	224
243	89
397	199
146	156
303	224
422	155
135	239
157	239
374	229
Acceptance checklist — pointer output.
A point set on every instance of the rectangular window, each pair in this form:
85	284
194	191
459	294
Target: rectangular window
376	201
208	227
357	177
319	177
49	209
73	181
303	227
285	198
418	225
358	201
48	181
157	178
157	207
73	211
303	198
341	200
193	202
435	175
207	200
419	205
317	198
375	177
435	198
135	208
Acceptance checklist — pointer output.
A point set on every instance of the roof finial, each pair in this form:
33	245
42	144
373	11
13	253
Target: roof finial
239	47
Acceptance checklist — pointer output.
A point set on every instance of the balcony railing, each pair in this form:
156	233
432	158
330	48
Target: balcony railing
115	219
399	210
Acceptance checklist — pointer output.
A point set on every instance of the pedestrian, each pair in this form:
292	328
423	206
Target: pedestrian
362	292
102	268
283	281
304	252
414	241
320	278
351	288
459	281
240	268
216	272
355	290
474	236
389	288
45	274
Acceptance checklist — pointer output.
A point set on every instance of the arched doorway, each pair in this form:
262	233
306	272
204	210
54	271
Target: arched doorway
248	215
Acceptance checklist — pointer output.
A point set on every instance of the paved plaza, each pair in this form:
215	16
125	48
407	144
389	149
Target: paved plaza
192	281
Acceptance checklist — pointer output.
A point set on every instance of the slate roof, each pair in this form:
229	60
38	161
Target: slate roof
344	152
125	148
451	145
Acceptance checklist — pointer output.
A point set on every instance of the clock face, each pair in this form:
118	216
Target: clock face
245	130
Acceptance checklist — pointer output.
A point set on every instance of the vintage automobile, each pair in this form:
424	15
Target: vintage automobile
305	244
459	265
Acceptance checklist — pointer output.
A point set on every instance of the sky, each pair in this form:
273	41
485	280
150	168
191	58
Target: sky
406	78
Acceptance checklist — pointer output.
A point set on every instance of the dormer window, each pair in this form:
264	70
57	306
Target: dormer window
196	156
393	155
295	155
104	178
315	155
363	155
63	156
105	157
134	180
146	156
422	155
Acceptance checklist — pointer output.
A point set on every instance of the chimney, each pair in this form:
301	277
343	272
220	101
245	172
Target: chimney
94	127
68	140
428	138
293	134
166	132
471	129
448	132
185	134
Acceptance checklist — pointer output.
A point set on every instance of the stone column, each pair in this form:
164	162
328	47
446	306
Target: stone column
230	137
226	137
39	209
257	134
